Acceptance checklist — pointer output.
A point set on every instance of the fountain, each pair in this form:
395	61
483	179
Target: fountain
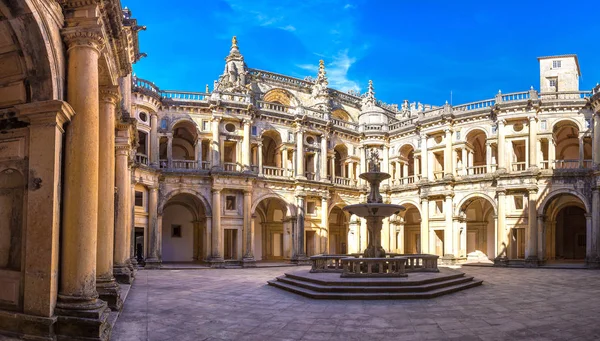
374	274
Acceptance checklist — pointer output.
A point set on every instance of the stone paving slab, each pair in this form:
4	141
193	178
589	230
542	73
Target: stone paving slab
237	304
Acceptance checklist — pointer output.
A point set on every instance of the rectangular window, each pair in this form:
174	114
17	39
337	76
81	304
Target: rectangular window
254	130
205	125
556	64
458	135
175	231
439	207
290	137
518	202
552	82
163	123
310	207
139	199
230	203
544	125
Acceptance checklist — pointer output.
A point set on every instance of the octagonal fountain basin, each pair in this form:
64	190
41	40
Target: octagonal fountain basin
374	176
374	209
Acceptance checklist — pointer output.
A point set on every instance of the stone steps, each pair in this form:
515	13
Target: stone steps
373	290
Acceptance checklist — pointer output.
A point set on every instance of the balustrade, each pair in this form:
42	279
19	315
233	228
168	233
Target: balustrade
338	180
374	267
565	95
185	96
544	165
438	175
231	167
309	175
272	171
185	164
566	164
475	105
327	263
141	158
421	263
163	163
588	164
518	166
477	170
205	165
516	96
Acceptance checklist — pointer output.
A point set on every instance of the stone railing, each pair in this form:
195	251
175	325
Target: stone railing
516	96
404	123
273	171
374	267
141	158
316	113
327	263
438	175
144	85
421	263
231	167
338	180
265	75
343	124
476	170
488	103
407	180
185	96
566	164
518	166
309	175
205	165
185	164
565	95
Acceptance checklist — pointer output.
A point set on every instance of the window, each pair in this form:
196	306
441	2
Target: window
139	199
254	130
518	202
230	127
163	123
230	203
544	125
290	136
142	142
175	231
310	207
310	140
555	64
439	207
552	82
143	116
458	135
205	125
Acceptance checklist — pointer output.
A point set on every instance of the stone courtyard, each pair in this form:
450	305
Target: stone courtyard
237	304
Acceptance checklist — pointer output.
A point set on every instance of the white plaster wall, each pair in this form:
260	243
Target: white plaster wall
177	249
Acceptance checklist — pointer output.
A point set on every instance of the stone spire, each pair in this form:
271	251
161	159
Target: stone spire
320	87
369	98
234	52
234	78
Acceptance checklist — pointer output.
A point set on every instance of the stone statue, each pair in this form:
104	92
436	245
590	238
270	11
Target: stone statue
373	160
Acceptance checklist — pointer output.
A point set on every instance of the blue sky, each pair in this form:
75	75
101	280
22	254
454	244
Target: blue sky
415	50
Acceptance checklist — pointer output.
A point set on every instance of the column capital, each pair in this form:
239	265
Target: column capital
122	149
216	119
89	37
152	188
532	117
109	94
52	112
216	190
501	191
247	121
247	192
532	190
501	122
153	114
448	130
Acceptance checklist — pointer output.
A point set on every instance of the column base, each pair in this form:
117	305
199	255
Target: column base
122	274
532	262
449	259
153	263
301	260
133	266
501	171
217	262
592	263
500	261
27	326
301	177
248	262
110	292
82	319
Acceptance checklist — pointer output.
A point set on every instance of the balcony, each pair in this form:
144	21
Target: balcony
518	166
438	175
338	180
476	170
141	159
407	180
270	171
232	167
309	175
185	164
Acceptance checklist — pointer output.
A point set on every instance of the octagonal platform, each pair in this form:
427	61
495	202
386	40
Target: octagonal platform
417	285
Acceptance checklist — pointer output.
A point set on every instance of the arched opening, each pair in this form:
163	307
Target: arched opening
404	169
183	147
473	156
565	229
341	115
184	236
340	154
338	231
272	230
279	96
566	145
477	227
408	231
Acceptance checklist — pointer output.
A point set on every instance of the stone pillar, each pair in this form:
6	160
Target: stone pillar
333	168
154	141
300	256
448	155
284	161
596	140
541	244
386	163
415	167
132	262
248	260
300	154
363	163
217	244
551	152
323	158
501	147
107	287
288	242
465	161
533	163
531	256
424	225
215	143
463	236
153	260
80	311
399	234
40	282
325	224
246	146
448	229
590	252
424	161
170	150
351	170
405	169
488	157
581	144
501	245
122	181
260	158
596	221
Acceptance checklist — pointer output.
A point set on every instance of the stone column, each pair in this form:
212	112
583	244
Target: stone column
533	163
399	233
551	152
122	181
596	221
78	301
501	245
581	144
448	155
531	257
386	163
350	170
284	161
246	146
300	256
596	139
248	259
207	237
405	169
333	168
217	244
465	161
215	142
415	167
154	141
40	282
448	229
325	224
541	244
260	158
590	252
424	161
323	158
154	233
424	225
488	157
288	242
300	154
363	163
132	263
501	147
170	150
107	287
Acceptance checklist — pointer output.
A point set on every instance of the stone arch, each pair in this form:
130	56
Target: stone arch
280	96
472	197
341	114
411	202
566	121
291	211
542	205
469	131
182	121
406	146
163	201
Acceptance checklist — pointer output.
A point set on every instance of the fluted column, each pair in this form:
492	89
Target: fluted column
154	141
217	254
300	154
424	225
501	146
246	146
551	152
465	161
333	168
300	255
533	143
153	260
424	160
215	142
531	241
323	158
79	232
107	287
501	242
248	259
284	161
448	154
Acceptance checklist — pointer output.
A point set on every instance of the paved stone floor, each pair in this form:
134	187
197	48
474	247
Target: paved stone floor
236	304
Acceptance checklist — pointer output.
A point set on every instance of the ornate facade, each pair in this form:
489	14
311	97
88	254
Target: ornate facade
99	169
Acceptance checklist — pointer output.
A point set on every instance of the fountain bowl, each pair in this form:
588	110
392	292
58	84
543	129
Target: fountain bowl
374	209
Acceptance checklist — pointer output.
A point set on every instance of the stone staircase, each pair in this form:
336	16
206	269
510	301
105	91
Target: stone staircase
331	286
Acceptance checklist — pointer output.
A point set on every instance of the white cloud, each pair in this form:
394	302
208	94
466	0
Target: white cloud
288	28
349	6
337	72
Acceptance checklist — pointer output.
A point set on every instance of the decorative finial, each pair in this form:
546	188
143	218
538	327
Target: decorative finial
321	83
207	91
373	160
234	41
